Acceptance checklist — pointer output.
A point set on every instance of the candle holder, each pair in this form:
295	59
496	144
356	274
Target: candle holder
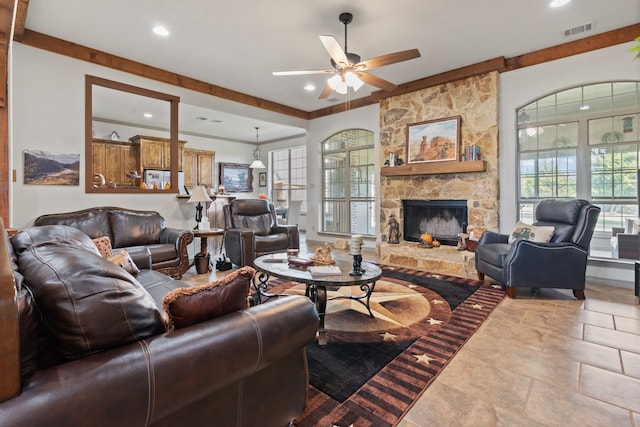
356	251
357	266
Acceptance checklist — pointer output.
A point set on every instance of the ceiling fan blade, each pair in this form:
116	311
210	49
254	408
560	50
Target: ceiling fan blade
391	58
376	81
295	73
334	49
325	92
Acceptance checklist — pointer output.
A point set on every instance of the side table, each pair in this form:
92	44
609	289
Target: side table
204	251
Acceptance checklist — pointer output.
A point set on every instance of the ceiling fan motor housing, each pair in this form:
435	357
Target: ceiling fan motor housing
352	57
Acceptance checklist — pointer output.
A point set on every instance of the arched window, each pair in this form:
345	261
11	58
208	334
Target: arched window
582	142
348	183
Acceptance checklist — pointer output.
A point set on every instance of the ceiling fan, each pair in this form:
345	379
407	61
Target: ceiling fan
348	69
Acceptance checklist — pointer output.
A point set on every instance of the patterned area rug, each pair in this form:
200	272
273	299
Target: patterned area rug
373	369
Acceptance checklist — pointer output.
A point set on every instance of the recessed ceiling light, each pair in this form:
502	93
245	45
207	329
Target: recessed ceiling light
310	87
558	3
148	115
161	30
584	107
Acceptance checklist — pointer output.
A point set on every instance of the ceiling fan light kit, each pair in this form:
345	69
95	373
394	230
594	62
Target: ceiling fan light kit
347	68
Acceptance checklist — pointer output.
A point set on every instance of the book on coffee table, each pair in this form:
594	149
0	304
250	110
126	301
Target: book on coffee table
324	270
279	257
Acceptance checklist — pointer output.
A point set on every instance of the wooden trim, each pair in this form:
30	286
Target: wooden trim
83	53
173	100
598	41
10	383
21	18
7	8
434	168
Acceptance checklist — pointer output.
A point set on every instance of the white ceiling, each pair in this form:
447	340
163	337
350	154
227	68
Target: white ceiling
237	45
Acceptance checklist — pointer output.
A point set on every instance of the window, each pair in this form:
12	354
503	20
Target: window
288	176
582	142
348	183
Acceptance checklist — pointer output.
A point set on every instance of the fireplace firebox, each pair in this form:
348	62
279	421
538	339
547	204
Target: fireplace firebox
443	219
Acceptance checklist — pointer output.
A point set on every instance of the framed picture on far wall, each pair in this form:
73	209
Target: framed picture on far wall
236	177
433	140
262	179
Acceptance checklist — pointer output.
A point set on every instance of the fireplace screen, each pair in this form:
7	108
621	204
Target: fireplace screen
443	219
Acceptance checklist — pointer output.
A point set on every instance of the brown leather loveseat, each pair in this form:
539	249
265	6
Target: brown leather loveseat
84	344
141	233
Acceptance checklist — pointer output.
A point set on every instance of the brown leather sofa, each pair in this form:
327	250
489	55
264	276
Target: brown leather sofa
139	232
245	368
252	230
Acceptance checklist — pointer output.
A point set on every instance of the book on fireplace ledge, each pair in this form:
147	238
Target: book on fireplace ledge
324	270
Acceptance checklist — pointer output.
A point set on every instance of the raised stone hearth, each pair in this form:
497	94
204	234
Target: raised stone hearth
444	260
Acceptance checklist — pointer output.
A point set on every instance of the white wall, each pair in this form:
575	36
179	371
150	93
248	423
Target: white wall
47	113
319	130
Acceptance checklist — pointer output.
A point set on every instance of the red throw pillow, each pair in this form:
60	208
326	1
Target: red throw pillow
188	306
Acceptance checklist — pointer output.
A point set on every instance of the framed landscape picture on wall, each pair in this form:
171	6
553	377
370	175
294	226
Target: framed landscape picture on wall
236	177
47	168
433	140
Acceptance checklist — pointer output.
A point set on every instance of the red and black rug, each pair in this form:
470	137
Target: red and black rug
373	369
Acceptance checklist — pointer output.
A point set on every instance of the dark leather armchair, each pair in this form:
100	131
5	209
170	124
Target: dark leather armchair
252	230
560	263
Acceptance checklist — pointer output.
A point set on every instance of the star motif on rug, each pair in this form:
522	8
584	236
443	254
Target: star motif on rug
433	321
387	336
477	306
438	301
423	358
377	297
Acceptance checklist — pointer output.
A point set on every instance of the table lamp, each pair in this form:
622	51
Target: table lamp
199	195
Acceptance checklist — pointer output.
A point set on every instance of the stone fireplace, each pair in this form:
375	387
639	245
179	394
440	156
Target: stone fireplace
475	100
443	219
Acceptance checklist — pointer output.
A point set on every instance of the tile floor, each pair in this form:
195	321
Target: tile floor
548	360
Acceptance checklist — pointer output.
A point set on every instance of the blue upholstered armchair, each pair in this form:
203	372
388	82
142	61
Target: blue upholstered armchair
559	263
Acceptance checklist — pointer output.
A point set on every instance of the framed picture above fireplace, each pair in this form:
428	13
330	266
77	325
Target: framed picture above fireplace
434	140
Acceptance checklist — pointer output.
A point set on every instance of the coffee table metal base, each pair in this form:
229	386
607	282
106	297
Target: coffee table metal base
316	290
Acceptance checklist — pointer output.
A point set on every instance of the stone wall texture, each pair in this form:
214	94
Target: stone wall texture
475	100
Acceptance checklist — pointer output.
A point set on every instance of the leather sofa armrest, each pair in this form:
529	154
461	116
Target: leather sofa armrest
144	382
293	233
176	236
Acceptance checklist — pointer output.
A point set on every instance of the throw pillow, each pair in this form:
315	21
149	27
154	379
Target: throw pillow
87	303
188	306
123	259
535	233
104	246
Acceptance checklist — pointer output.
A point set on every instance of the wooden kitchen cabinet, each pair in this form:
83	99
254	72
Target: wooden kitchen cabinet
155	153
198	168
114	159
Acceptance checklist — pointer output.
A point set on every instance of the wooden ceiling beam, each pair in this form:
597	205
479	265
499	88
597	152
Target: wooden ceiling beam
83	53
499	64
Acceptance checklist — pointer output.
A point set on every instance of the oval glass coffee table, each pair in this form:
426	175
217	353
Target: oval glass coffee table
316	286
